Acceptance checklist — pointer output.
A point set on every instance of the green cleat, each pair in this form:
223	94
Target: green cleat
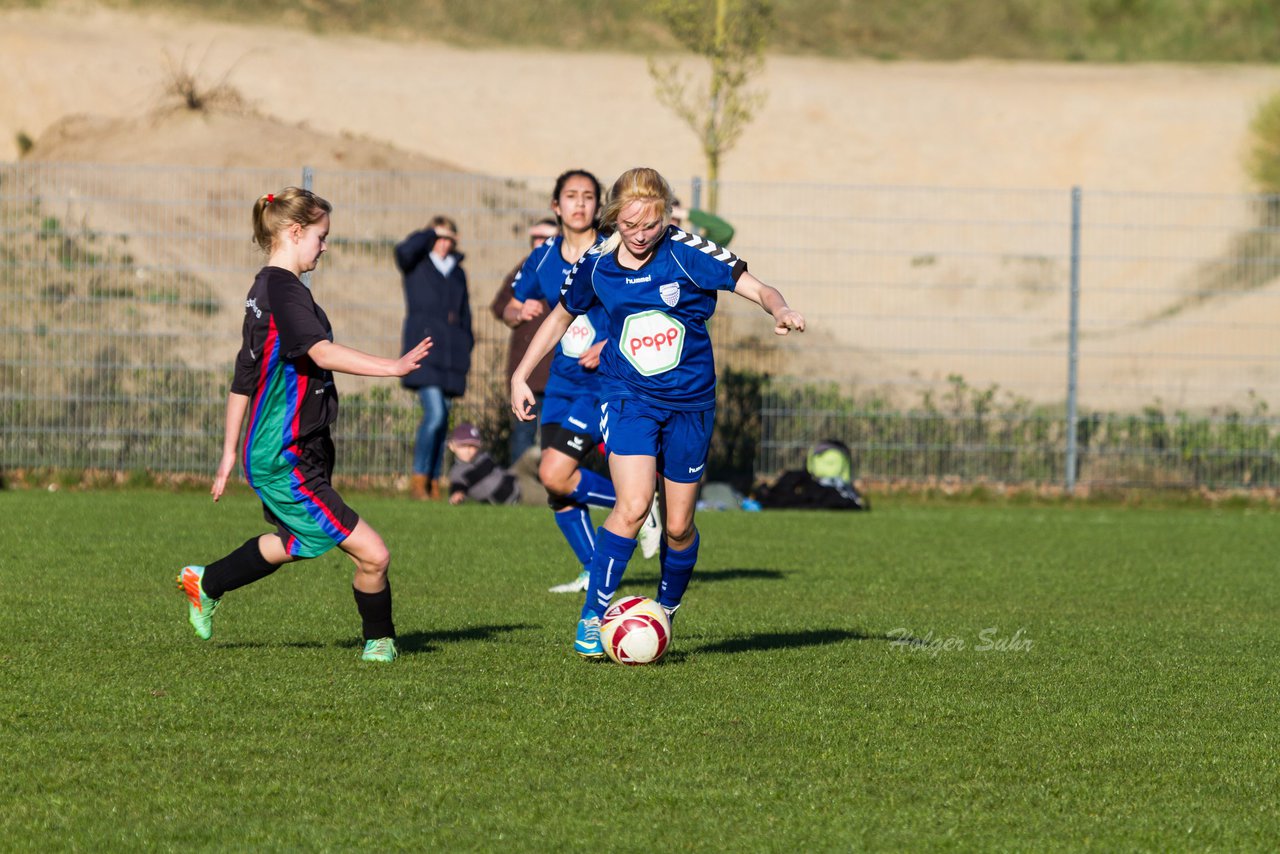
379	649
200	608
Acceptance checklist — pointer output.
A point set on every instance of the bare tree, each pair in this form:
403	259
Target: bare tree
731	35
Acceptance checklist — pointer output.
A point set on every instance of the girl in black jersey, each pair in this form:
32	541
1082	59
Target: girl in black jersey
283	386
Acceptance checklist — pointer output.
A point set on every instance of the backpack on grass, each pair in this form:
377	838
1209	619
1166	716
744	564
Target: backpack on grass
826	482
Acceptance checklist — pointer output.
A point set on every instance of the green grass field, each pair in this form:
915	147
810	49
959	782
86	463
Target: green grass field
1135	709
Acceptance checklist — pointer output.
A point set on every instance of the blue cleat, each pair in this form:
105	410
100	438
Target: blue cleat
586	642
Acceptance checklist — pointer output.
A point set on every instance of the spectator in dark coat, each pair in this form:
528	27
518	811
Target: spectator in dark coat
437	305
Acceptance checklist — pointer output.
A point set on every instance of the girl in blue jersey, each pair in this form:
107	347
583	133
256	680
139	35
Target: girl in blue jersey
658	286
570	419
283	384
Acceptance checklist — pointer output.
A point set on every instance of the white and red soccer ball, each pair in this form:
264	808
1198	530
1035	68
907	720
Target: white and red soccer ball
635	630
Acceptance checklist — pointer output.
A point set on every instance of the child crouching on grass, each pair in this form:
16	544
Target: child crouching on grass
475	474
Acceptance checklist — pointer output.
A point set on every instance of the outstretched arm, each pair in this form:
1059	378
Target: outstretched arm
237	405
551	331
348	360
770	299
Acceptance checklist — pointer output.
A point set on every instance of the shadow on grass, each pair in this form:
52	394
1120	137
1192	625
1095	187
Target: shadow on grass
700	576
787	640
427	641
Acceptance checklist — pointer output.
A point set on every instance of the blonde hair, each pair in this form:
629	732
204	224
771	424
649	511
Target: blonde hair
276	211
640	184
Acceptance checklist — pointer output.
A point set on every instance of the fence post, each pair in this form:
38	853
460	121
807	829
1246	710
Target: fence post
308	180
696	202
1073	343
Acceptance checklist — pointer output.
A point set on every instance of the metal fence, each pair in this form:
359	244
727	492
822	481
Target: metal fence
1053	336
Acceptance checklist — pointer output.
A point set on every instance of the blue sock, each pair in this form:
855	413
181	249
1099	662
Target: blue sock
607	566
677	569
594	490
575	524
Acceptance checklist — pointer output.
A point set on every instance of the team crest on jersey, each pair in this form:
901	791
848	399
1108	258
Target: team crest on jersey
670	293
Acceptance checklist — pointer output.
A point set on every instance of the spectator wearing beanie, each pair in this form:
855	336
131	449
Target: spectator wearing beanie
476	475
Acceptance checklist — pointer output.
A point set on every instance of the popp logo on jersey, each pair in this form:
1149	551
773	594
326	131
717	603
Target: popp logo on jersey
652	342
578	338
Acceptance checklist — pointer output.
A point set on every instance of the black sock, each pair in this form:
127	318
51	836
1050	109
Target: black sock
375	613
243	566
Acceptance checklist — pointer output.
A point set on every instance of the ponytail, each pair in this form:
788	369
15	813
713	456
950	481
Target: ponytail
273	212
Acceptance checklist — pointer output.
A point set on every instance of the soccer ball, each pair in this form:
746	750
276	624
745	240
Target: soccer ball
635	630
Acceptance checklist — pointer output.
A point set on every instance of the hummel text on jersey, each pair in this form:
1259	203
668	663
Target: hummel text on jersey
638	280
693	470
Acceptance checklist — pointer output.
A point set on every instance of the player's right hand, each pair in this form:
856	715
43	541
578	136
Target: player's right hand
531	310
223	474
522	400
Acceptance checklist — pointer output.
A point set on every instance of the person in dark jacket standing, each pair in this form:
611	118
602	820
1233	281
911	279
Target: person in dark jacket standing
437	305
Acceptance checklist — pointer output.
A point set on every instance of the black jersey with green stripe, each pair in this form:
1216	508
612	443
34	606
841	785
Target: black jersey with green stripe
292	400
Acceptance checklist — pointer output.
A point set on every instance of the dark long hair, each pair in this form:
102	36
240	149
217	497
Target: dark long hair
576	173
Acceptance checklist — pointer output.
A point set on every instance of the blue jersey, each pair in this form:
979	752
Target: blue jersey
541	277
660	350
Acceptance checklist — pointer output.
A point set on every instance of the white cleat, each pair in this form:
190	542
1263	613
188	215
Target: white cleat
578	585
650	536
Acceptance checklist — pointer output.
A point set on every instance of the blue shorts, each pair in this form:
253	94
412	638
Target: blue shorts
571	425
678	439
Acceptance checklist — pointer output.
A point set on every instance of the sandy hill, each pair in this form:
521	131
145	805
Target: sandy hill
530	113
87	84
218	137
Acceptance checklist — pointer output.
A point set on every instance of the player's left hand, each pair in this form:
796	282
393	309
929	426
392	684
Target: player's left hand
412	360
786	320
591	359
